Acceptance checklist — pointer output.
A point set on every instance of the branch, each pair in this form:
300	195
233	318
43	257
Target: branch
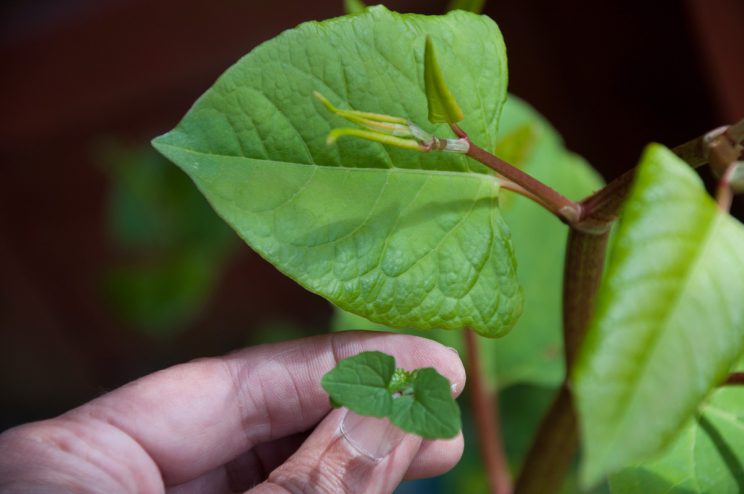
735	379
553	449
567	210
719	147
486	415
557	440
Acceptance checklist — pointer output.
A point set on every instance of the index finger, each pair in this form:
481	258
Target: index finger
194	417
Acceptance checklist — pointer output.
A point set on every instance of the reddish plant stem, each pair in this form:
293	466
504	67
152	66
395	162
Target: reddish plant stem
556	442
735	379
486	416
557	438
555	202
553	448
585	255
724	194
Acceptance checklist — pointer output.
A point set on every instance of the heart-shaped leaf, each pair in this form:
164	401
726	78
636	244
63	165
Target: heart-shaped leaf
405	238
669	321
418	401
360	383
532	352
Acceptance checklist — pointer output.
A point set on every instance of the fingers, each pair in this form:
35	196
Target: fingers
347	453
191	419
253	467
245	471
436	458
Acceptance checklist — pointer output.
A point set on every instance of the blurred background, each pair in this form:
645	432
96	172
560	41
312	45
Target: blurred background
113	266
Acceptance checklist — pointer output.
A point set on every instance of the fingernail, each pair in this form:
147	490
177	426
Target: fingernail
453	349
372	437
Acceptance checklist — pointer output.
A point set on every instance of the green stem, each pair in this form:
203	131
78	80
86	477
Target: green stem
486	415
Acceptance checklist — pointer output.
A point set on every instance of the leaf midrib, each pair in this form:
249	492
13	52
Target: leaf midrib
630	395
415	171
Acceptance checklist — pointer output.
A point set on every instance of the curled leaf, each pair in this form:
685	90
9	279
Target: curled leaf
442	105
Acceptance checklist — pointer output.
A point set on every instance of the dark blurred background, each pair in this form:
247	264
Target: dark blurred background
112	266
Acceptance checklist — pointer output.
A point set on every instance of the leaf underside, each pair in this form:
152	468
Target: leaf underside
404	238
532	352
669	322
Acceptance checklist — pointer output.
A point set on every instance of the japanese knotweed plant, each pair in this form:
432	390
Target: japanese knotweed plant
377	159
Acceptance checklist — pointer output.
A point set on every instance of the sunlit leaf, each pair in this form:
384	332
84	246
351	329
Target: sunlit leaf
669	320
405	238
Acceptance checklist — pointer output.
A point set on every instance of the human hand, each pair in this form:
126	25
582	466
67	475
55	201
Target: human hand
231	423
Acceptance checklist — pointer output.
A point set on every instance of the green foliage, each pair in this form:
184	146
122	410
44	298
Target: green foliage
441	102
411	239
354	6
532	352
418	401
706	457
475	6
173	245
668	325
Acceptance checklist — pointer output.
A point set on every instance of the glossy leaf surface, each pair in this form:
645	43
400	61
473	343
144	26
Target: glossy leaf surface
669	321
411	239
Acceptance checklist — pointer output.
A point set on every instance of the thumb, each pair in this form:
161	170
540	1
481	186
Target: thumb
346	453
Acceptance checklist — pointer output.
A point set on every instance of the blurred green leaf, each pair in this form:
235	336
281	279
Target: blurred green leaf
706	457
354	6
669	322
475	6
171	246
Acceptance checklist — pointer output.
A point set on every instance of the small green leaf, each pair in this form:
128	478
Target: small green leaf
707	457
669	322
442	105
360	383
475	6
354	6
429	411
418	401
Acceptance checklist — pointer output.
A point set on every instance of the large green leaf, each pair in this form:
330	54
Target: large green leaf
409	239
707	457
669	320
532	352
